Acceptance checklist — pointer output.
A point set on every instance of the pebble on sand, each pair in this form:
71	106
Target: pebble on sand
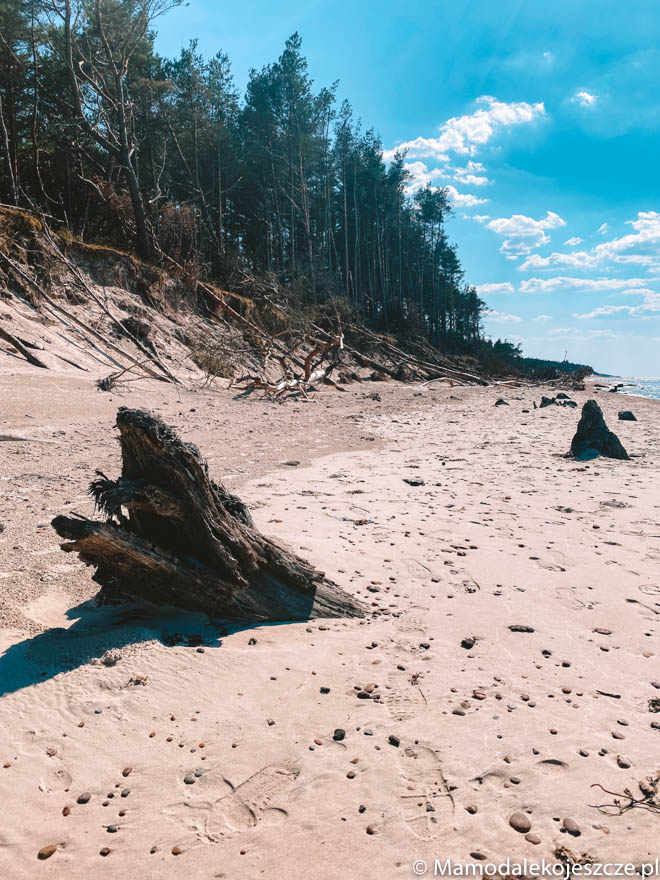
46	851
520	822
571	827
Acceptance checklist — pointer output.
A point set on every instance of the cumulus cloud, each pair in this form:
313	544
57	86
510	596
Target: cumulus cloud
486	289
502	318
648	308
465	134
465	200
579	334
602	229
523	234
421	175
572	242
542	318
640	247
561	282
584	99
472	174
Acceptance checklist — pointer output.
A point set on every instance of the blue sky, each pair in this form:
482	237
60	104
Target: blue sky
543	118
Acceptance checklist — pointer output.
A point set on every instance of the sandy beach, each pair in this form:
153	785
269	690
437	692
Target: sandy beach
510	665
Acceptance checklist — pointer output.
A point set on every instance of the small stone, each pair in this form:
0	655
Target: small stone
622	762
521	628
339	734
520	822
176	850
126	771
46	851
105	851
371	829
533	838
394	740
571	827
84	798
471	809
112	829
468	642
189	779
126	792
66	811
479	856
325	690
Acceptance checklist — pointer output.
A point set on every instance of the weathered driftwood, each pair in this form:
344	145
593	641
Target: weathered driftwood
593	434
173	536
22	348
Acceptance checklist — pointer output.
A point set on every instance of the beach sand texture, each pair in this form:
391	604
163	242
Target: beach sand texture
510	665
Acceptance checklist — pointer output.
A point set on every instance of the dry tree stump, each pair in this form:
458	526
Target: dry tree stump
172	536
593	435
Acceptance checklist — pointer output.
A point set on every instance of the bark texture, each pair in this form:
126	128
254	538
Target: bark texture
593	434
173	536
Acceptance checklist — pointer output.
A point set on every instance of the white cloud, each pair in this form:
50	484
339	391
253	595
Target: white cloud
472	174
584	99
421	175
465	200
465	134
560	282
583	335
572	242
641	247
522	234
542	318
648	308
602	229
487	289
502	318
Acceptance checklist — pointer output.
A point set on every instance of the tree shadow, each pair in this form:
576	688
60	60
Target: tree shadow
97	630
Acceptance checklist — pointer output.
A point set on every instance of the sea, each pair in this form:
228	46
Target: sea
646	386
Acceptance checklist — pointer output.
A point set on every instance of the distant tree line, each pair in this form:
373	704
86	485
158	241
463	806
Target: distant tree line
503	355
126	147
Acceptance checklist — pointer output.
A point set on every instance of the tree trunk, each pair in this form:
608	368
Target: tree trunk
172	536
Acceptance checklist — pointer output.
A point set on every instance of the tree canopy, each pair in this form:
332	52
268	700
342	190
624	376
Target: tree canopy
162	155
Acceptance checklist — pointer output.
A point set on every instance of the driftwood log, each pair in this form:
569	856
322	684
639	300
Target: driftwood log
172	536
593	435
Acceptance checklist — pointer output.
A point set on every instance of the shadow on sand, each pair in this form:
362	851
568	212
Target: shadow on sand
97	630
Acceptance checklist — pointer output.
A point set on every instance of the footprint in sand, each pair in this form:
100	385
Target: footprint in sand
426	803
417	569
404	698
410	623
567	596
240	808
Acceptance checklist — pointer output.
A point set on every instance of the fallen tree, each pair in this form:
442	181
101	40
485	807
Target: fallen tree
173	536
289	382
